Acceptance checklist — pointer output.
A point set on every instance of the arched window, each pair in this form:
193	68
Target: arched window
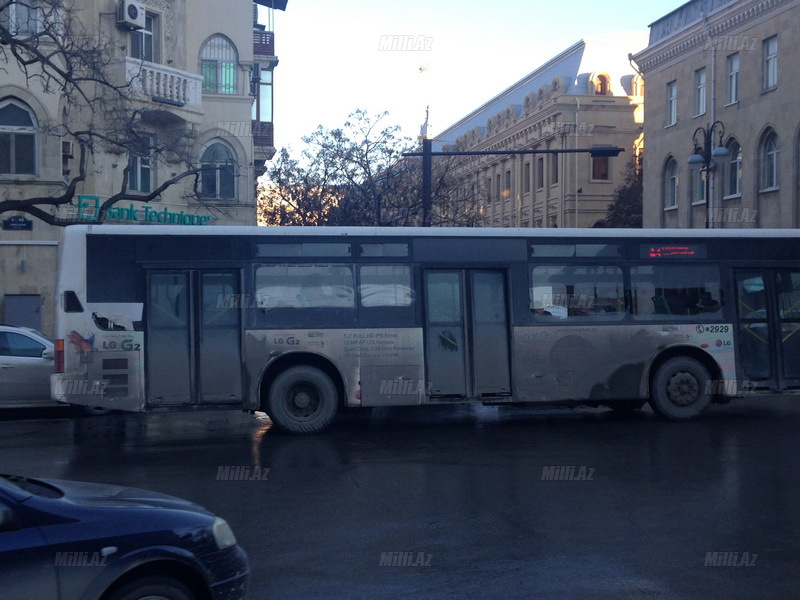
218	62
218	180
17	138
768	157
734	183
601	85
22	18
670	182
637	86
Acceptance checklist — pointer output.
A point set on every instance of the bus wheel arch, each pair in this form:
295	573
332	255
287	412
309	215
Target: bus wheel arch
301	393
680	383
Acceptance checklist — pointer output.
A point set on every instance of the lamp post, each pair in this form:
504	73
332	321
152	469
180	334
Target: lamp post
704	159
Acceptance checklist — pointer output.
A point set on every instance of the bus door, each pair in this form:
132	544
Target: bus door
768	309
467	333
193	343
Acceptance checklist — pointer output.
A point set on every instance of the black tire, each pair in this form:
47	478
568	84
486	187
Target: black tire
154	588
302	400
679	390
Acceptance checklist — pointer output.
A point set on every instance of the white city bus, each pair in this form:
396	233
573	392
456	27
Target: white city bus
299	322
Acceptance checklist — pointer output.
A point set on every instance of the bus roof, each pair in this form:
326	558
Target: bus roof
477	232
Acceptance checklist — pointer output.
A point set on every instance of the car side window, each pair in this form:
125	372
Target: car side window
16	344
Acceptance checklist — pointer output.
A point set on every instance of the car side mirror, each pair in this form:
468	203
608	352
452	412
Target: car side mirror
48	354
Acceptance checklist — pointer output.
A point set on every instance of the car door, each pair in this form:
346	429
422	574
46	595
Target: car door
25	368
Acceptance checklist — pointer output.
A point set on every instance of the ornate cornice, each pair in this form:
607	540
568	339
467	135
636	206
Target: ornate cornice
663	52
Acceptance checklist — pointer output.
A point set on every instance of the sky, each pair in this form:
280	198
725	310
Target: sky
450	56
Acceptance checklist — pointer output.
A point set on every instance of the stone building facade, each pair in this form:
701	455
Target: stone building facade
197	69
722	83
588	95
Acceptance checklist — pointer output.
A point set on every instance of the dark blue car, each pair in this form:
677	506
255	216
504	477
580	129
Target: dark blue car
70	540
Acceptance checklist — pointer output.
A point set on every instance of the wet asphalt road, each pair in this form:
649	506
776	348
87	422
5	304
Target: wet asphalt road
467	502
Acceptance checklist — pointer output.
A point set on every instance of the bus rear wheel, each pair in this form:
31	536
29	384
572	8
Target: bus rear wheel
680	389
302	400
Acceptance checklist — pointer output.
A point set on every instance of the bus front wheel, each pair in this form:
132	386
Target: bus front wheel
680	389
302	400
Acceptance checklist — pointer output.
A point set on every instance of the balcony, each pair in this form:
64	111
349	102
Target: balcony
263	141
264	43
174	91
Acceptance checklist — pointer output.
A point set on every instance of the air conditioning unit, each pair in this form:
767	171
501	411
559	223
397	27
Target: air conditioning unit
67	149
130	14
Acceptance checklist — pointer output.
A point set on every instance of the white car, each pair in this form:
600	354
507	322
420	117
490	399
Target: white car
26	362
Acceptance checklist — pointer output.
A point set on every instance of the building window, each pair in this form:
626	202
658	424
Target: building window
22	18
769	161
218	66
143	41
670	182
498	189
770	62
526	177
139	173
698	186
553	169
17	138
733	78
600	170
700	92
489	189
734	187
262	106
540	173
218	180
601	86
637	86
672	103
507	186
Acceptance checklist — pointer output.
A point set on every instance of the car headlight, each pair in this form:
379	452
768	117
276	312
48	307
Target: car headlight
223	534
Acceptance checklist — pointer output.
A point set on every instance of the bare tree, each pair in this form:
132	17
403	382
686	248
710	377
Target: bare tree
46	41
358	175
297	195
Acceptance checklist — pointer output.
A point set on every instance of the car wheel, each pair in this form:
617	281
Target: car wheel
302	400
680	389
154	588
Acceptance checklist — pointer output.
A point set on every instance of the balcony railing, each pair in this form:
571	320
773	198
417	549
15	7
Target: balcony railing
264	43
262	134
163	84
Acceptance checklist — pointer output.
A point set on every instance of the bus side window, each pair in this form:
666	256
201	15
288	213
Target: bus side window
385	285
579	292
305	286
676	292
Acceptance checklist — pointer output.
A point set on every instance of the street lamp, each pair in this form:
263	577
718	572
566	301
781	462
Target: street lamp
704	159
